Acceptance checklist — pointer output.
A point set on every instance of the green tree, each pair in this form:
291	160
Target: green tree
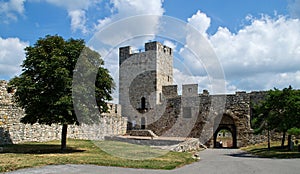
44	88
279	111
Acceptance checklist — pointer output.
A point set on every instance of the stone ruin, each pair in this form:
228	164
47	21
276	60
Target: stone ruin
13	131
150	101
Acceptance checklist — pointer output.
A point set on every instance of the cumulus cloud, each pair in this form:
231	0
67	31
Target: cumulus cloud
266	46
12	55
196	49
181	78
198	57
9	10
76	11
122	9
200	21
127	8
261	55
78	20
170	44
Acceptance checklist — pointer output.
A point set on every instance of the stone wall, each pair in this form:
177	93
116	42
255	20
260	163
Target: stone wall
147	77
13	131
203	115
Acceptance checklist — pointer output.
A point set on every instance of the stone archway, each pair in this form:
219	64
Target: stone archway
227	123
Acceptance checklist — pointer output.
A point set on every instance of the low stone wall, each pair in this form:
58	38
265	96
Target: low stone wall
263	137
144	141
13	131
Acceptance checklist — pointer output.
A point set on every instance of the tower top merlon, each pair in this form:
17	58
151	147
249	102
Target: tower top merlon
157	46
152	45
124	53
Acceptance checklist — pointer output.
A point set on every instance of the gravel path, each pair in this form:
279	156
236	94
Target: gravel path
213	161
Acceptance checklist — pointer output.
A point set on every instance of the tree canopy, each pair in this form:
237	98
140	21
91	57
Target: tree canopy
44	88
279	111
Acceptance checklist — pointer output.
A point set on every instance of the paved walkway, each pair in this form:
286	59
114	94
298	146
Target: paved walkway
213	161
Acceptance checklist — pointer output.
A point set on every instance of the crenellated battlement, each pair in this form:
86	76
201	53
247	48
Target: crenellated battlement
191	90
156	47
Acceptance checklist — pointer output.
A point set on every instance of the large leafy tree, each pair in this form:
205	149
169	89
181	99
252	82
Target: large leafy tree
280	111
44	88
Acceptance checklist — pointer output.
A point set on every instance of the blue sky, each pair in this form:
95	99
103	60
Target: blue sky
41	17
257	42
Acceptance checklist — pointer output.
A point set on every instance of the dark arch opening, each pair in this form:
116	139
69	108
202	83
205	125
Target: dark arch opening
143	103
143	123
227	125
129	124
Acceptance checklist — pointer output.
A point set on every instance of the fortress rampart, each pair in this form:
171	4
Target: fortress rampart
13	131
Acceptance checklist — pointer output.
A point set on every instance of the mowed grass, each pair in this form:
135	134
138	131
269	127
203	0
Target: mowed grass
276	151
87	152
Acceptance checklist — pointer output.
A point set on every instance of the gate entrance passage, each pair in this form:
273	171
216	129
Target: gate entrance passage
225	134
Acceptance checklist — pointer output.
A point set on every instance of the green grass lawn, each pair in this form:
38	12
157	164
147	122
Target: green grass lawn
276	151
87	152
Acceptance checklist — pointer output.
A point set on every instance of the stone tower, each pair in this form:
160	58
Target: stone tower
141	77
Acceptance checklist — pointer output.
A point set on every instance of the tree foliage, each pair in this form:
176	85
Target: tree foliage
44	88
294	131
279	111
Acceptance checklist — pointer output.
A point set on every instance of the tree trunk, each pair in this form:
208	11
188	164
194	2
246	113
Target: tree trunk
289	142
283	140
64	137
269	144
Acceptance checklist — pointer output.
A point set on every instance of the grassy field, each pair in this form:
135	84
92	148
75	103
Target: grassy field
276	151
86	152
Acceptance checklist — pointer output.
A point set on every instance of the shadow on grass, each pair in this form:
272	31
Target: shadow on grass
38	149
274	152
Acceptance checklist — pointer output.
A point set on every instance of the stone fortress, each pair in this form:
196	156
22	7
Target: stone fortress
13	131
150	101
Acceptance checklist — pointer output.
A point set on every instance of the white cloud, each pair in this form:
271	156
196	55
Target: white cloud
76	11
198	57
12	55
261	55
181	78
124	9
78	20
170	44
200	21
265	48
11	9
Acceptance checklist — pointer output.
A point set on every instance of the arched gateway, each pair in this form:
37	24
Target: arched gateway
227	123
